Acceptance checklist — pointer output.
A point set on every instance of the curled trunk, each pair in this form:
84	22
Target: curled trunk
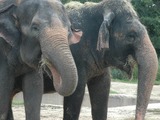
56	52
147	69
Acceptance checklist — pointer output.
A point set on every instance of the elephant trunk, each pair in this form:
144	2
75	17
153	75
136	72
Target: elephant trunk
147	69
58	57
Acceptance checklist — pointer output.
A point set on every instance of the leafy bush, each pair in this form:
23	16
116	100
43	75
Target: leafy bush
158	74
118	74
149	14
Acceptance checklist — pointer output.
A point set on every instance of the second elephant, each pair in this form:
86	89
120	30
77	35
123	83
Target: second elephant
111	29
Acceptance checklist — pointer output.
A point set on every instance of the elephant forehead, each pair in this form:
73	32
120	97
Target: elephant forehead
57	22
37	5
52	4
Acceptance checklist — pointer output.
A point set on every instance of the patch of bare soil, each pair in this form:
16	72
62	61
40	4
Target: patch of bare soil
54	112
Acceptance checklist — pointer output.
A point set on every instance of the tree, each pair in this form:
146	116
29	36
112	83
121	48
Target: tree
149	14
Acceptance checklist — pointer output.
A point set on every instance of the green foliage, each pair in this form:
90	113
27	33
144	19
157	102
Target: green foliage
118	74
149	14
158	74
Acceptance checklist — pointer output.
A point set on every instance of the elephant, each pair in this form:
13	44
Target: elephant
112	35
111	29
35	37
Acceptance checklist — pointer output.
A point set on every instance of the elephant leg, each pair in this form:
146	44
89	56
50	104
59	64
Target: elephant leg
99	88
32	92
5	92
6	86
10	112
72	103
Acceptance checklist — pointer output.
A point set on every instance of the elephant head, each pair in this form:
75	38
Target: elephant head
46	34
123	34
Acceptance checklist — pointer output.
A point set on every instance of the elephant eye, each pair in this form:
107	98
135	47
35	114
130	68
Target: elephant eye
35	27
131	36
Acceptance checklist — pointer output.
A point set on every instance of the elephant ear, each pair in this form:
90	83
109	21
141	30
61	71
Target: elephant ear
6	9
6	4
103	36
75	36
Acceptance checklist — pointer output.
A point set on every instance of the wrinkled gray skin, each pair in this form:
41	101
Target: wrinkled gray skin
111	29
111	33
35	34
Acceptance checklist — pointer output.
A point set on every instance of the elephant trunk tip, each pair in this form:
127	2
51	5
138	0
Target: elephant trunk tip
63	85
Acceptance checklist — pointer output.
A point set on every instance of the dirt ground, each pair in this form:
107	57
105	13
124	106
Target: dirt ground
55	112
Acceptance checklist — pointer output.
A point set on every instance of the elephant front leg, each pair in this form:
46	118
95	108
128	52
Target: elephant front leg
32	92
10	112
99	88
72	104
5	92
6	86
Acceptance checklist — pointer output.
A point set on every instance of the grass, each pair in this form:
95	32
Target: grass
134	81
154	111
113	92
157	83
17	102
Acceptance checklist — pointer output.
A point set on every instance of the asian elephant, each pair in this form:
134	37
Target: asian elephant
111	29
112	33
35	35
46	33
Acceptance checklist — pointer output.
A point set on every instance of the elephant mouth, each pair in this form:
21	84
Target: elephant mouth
128	66
55	74
51	71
